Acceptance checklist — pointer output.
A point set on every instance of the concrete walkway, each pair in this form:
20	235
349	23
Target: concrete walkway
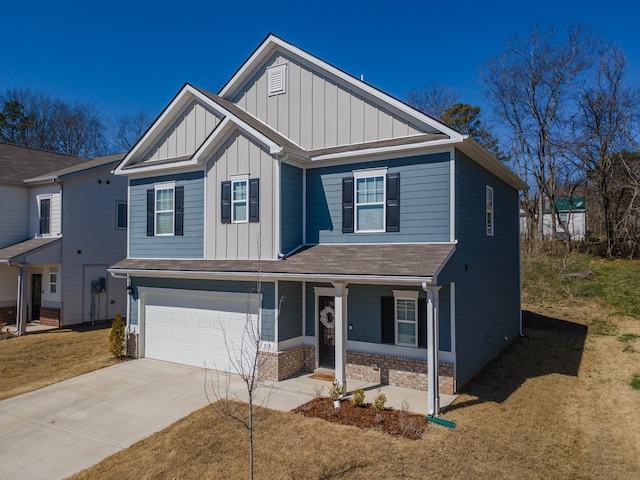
61	429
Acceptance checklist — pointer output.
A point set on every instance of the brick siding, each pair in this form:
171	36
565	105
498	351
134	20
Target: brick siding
49	316
8	314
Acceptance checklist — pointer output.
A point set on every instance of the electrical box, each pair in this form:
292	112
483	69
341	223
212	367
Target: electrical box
95	286
103	284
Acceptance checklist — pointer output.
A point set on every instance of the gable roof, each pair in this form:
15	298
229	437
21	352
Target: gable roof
18	163
11	252
95	163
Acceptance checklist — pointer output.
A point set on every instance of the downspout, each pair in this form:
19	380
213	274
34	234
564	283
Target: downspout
21	326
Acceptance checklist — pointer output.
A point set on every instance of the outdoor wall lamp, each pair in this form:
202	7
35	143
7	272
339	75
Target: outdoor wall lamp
130	290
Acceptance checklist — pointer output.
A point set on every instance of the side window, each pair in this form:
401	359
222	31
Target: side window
490	214
165	210
53	283
45	216
121	215
371	202
406	317
240	200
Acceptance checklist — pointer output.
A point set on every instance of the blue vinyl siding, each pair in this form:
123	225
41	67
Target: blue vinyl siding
485	269
268	296
424	201
364	311
189	245
290	318
291	207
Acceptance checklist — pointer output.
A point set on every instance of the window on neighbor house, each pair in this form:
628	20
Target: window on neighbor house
53	283
490	215
45	216
121	215
240	200
165	210
371	202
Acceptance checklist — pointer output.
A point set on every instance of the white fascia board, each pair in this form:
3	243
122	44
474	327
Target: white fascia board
272	42
411	149
178	100
179	167
203	275
480	155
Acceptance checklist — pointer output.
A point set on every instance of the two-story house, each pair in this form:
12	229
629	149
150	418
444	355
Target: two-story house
361	235
65	222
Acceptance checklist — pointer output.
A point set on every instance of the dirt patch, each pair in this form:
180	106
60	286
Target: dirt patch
398	423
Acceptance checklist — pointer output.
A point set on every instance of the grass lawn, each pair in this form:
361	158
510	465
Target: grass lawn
561	402
36	360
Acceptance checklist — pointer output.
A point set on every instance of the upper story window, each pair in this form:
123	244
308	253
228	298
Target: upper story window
371	201
490	215
53	283
45	216
240	200
165	210
277	79
121	215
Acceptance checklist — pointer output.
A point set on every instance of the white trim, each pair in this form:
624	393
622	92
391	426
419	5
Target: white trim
452	196
304	206
370	172
406	294
205	211
411	296
118	203
290	343
397	351
324	291
369	152
452	312
160	187
362	175
276	314
304	308
235	179
277	214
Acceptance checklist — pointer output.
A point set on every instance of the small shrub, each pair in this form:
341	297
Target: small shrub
357	400
635	382
116	338
336	391
380	401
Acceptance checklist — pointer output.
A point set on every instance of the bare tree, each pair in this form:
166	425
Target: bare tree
530	89
129	128
434	99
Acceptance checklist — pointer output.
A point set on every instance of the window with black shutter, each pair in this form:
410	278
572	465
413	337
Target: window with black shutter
387	313
393	202
225	202
254	200
151	209
347	205
371	202
179	212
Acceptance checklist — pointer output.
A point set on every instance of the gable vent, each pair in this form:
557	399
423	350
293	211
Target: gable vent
276	79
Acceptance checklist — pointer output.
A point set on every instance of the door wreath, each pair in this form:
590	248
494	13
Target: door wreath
327	317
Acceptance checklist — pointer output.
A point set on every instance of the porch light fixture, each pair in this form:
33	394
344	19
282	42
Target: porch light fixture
130	290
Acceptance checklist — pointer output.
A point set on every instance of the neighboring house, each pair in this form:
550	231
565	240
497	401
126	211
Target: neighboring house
572	219
383	242
64	223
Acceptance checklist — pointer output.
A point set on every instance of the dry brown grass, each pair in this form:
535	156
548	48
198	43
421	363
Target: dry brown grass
39	359
557	404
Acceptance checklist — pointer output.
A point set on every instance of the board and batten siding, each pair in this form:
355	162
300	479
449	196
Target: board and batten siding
268	305
15	214
239	155
485	269
290	316
186	134
319	110
424	201
53	192
91	243
189	245
291	205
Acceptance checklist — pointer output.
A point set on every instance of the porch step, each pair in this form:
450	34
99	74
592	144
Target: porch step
329	372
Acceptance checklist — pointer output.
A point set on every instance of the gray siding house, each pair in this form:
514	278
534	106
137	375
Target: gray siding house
362	236
66	222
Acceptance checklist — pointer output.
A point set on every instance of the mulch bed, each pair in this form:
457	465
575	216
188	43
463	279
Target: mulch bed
398	423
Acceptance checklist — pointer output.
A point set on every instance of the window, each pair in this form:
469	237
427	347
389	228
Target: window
276	79
240	200
165	210
121	215
371	202
53	283
406	316
45	216
490	217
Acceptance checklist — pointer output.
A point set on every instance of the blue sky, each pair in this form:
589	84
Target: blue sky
127	56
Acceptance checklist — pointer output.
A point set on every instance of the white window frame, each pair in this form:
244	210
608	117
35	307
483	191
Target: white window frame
363	174
410	296
159	187
53	283
490	207
118	203
234	180
273	71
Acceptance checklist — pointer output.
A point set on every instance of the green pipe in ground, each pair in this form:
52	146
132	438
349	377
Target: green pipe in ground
441	421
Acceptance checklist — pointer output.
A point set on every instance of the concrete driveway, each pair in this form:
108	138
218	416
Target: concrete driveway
61	429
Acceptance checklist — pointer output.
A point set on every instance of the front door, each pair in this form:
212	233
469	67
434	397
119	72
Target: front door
36	295
326	331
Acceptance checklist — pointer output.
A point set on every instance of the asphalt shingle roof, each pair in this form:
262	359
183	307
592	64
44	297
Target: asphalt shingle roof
27	246
20	163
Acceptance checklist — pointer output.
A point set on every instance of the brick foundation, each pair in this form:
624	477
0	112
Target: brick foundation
8	314
276	366
49	316
131	345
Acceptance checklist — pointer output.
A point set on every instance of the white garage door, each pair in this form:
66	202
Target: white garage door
203	329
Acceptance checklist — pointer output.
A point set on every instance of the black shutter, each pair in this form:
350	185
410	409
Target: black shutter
254	200
388	316
422	322
347	205
151	211
393	202
225	202
179	212
45	216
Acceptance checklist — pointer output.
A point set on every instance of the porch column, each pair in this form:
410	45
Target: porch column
340	299
433	360
21	321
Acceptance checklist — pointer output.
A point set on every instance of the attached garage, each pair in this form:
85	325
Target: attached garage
199	328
